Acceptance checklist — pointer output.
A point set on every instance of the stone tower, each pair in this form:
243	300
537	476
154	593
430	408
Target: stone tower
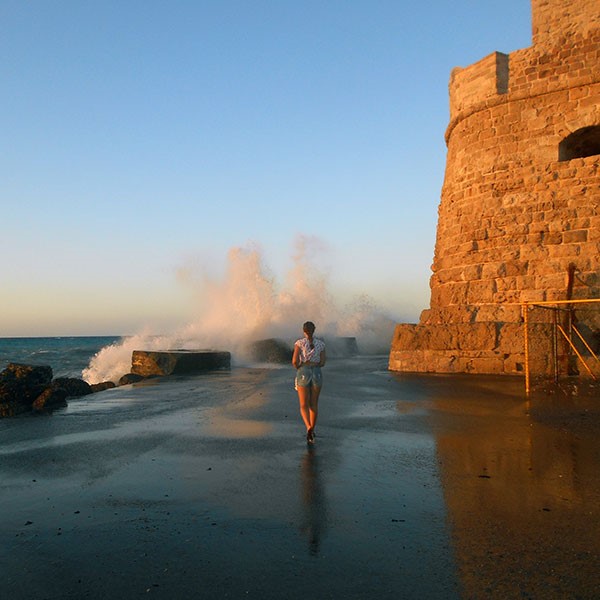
519	217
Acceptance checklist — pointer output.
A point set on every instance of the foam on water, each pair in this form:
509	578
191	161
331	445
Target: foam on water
248	304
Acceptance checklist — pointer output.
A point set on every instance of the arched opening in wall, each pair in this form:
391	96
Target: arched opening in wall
581	143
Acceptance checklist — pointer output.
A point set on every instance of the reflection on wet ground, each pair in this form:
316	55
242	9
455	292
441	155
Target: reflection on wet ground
418	487
521	484
314	502
234	418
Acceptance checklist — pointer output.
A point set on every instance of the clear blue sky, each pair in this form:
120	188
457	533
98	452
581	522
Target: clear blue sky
139	139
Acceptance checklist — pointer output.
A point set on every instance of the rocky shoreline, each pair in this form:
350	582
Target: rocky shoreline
33	388
26	388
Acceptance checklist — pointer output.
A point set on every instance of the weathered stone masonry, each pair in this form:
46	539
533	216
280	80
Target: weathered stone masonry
519	217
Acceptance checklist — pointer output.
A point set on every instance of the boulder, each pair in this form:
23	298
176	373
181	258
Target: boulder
270	350
131	378
29	387
103	385
51	397
11	408
72	386
22	384
341	347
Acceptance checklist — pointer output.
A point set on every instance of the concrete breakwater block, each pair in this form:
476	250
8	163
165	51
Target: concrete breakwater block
178	362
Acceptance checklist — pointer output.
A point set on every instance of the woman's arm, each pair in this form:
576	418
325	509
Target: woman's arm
323	358
296	358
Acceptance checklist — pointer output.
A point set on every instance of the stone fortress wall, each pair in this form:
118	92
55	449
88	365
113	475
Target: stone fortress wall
519	217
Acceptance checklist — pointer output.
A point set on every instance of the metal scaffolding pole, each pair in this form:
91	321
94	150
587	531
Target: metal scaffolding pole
525	312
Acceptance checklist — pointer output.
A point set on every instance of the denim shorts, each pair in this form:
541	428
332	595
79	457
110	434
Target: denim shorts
306	376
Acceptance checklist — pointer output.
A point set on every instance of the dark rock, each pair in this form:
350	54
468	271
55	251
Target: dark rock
73	387
51	397
23	383
30	374
29	387
11	408
131	378
270	350
100	387
178	362
341	347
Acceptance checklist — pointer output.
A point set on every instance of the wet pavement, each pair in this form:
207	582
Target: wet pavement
204	487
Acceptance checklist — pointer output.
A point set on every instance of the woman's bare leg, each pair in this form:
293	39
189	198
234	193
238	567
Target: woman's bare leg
304	396
313	406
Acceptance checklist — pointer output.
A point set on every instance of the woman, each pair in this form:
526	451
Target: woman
308	358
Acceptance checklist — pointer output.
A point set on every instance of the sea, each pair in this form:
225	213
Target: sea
67	356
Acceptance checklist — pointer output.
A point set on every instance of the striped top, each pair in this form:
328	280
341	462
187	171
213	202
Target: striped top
308	354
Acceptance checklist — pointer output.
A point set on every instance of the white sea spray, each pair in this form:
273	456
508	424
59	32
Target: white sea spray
248	304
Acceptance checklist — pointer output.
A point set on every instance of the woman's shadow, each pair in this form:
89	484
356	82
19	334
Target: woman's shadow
314	504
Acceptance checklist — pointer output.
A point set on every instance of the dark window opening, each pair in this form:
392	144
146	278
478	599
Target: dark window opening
581	143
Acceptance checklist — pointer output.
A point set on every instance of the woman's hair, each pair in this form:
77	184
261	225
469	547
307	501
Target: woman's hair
309	327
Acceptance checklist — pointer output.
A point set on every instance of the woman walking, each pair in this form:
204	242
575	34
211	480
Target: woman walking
308	358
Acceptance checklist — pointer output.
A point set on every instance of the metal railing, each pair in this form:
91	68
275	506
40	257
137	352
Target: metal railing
558	306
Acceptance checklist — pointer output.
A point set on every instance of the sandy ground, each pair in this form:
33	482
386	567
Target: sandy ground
203	487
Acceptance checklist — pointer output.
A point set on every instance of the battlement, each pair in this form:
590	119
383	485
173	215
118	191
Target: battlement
477	83
564	54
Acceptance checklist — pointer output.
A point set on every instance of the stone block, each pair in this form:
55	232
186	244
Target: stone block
511	338
576	236
404	335
499	313
440	337
482	364
481	291
476	336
